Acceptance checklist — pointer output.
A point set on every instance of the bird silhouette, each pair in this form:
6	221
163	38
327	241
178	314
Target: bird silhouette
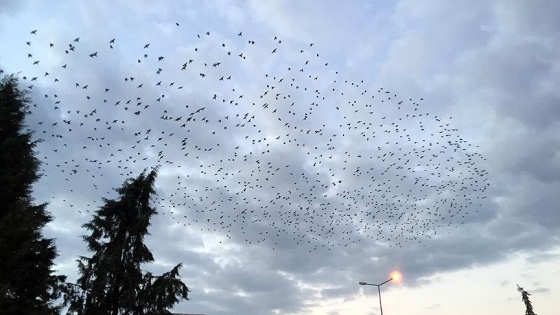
267	147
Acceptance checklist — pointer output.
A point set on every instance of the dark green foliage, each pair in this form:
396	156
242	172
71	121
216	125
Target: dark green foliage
525	299
27	283
111	280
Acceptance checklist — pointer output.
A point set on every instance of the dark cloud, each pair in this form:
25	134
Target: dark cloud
267	213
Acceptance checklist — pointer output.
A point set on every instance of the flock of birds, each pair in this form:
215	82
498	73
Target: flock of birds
260	142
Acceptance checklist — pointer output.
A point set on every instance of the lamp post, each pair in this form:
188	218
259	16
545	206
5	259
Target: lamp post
394	276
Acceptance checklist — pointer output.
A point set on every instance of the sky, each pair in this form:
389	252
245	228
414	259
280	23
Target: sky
306	146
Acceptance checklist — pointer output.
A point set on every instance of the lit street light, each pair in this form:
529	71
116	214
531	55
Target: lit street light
396	276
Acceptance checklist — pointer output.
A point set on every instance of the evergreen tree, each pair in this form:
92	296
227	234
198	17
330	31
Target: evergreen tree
111	281
525	299
27	283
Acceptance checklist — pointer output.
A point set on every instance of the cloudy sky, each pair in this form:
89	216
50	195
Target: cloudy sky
307	146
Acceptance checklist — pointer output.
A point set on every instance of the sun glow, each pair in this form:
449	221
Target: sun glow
396	276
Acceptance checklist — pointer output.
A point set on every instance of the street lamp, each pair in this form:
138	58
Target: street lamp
394	276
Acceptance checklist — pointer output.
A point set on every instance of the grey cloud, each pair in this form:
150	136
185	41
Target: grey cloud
496	86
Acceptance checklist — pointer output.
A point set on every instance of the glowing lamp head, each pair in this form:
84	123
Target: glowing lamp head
396	276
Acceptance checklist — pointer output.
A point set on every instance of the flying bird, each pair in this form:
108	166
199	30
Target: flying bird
266	149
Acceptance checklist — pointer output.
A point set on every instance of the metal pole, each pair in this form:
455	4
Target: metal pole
379	291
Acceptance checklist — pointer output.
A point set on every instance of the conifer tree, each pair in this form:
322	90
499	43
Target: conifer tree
526	300
27	283
111	280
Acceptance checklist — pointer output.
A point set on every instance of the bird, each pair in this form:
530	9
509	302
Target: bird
265	148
